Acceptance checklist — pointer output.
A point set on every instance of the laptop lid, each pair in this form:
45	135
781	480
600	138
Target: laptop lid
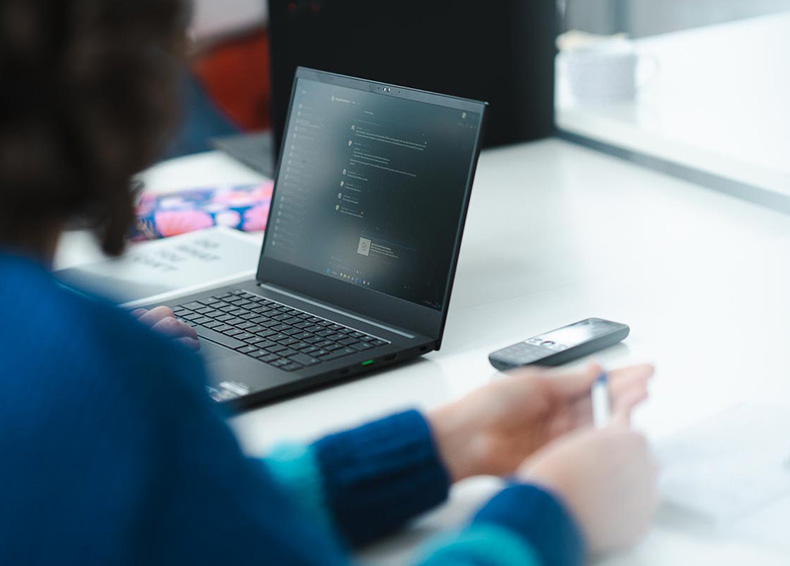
370	198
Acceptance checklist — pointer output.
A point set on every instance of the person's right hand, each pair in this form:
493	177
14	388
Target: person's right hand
607	478
162	320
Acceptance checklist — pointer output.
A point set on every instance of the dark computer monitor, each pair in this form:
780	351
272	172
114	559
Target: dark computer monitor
499	51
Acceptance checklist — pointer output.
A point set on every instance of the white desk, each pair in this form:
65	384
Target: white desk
557	233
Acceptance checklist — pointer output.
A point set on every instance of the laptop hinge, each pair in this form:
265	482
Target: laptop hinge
336	310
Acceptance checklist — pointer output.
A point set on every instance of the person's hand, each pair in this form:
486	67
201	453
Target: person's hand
606	478
493	430
162	320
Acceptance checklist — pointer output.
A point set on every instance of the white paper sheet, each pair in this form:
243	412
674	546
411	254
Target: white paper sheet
154	271
732	470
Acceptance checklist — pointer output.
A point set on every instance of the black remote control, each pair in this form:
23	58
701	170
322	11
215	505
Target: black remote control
561	346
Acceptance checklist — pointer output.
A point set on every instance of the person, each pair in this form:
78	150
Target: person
112	451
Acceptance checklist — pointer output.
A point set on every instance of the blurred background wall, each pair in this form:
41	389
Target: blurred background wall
642	18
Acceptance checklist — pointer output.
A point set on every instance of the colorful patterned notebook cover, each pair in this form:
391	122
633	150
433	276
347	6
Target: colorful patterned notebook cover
243	207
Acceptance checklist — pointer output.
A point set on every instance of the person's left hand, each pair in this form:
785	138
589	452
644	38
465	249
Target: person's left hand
493	430
162	320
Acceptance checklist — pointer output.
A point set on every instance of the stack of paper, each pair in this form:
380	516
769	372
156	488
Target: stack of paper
156	271
733	470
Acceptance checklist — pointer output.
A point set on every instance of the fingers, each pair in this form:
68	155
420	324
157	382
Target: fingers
175	329
628	387
570	385
156	315
191	343
629	384
162	320
623	379
622	411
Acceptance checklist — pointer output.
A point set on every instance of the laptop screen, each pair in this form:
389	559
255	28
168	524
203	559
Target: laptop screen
370	189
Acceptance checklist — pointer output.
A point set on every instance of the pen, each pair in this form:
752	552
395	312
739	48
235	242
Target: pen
600	401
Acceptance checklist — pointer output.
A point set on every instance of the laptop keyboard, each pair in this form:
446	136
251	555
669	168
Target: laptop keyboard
273	333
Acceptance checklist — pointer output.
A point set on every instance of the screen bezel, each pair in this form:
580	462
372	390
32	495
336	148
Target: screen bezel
367	302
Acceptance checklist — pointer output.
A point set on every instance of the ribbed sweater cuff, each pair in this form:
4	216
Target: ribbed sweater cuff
380	475
541	519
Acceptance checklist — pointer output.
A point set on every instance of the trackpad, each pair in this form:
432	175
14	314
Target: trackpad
212	353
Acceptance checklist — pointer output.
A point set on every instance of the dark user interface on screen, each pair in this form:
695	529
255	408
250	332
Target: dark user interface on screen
371	188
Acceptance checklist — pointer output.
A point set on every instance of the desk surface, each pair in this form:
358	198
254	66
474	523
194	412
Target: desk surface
557	233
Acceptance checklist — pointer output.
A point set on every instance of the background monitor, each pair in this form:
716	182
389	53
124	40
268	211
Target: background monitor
501	52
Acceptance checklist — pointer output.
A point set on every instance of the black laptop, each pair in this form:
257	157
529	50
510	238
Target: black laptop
364	232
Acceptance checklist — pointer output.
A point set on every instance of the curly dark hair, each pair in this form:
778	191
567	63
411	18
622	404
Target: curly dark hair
88	97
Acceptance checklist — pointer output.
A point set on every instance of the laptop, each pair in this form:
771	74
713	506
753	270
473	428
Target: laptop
364	232
256	151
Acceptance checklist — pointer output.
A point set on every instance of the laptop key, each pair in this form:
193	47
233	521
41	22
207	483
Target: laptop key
261	343
288	342
270	358
334	346
348	341
214	336
275	349
248	350
213	324
291	367
324	343
338	354
362	346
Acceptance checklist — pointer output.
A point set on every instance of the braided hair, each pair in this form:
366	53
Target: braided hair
88	97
